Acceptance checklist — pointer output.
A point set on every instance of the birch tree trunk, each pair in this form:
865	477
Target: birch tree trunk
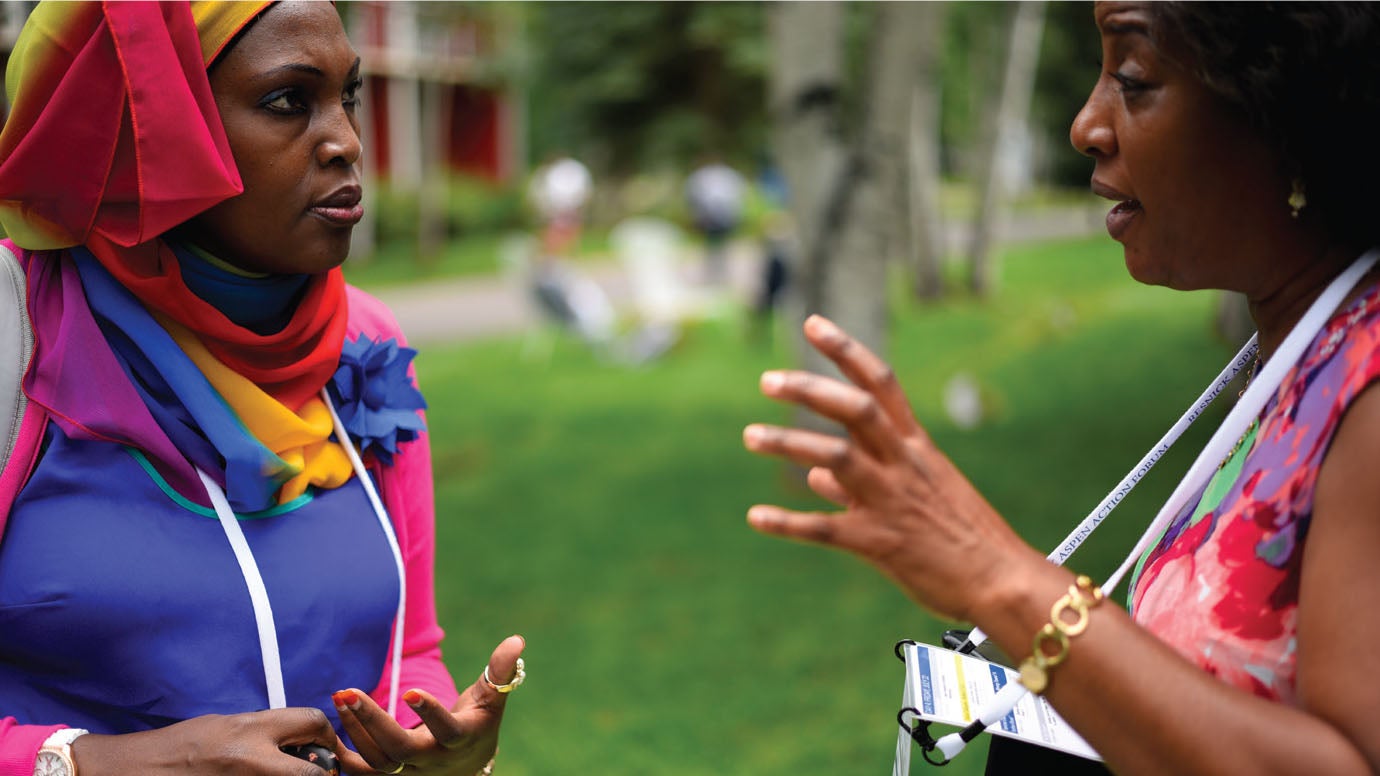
804	89
927	243
847	193
1018	82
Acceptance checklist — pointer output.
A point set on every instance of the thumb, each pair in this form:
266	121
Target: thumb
505	671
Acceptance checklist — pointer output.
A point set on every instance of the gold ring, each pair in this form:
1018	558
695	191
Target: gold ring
398	769
519	676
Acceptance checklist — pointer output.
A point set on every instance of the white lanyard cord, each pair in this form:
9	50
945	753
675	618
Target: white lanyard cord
258	593
1257	394
1090	523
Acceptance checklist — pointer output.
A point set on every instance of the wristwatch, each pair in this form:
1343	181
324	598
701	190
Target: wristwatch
55	757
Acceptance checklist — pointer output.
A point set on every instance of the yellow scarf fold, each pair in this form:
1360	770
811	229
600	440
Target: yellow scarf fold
300	439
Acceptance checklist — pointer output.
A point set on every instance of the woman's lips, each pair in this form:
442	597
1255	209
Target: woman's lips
1120	217
342	216
341	207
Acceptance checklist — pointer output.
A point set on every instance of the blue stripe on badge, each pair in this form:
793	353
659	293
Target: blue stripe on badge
922	655
1008	723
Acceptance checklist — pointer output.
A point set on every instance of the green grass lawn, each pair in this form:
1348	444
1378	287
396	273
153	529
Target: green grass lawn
599	512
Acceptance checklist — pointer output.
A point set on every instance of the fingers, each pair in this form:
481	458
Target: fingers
815	527
865	369
303	725
298	727
823	482
444	725
812	449
502	670
378	738
858	410
352	763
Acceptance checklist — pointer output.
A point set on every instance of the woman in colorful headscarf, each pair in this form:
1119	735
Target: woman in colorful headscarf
197	565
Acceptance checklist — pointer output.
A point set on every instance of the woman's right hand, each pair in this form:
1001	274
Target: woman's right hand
248	744
905	507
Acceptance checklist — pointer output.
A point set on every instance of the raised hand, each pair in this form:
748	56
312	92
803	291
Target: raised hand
460	741
906	508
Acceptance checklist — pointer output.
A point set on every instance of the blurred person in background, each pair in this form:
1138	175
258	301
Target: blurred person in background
1237	143
559	192
715	194
218	515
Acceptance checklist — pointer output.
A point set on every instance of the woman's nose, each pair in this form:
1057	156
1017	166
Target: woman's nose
341	140
1092	133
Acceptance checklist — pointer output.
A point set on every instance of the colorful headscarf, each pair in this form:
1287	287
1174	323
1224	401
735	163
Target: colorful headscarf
114	138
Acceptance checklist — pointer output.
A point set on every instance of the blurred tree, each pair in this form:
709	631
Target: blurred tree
926	227
846	179
1007	127
636	86
1070	53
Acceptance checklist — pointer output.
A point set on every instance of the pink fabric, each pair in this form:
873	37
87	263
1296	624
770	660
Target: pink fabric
84	389
19	745
409	496
406	489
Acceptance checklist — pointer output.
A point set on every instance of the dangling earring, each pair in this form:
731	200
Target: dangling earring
1297	199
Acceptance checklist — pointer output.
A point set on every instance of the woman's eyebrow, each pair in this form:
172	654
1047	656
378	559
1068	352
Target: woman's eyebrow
1125	28
302	67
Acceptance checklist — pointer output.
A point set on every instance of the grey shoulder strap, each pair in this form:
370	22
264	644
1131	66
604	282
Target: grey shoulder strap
16	346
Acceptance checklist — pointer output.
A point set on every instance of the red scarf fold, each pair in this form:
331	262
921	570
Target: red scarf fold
114	139
290	365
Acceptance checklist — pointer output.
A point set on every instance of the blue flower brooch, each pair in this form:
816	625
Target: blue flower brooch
377	401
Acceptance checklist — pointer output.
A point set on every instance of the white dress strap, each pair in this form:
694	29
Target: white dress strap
258	594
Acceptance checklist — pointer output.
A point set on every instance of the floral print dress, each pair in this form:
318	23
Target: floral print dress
1221	585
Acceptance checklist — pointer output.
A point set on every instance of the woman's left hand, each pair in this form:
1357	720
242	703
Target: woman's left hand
460	741
906	508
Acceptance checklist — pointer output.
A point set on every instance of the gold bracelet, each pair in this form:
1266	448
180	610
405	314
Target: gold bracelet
1082	596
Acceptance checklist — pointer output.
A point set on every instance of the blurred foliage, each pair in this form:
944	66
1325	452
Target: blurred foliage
472	206
638	86
973	58
1069	64
641	91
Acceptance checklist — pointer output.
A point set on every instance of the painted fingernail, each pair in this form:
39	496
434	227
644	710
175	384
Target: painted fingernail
412	698
772	381
346	699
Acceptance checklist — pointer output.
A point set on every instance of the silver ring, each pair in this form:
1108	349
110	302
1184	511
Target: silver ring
519	676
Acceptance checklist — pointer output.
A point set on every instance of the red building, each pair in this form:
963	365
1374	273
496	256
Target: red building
434	99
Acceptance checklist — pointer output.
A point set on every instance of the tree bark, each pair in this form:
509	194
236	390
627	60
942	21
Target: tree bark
847	192
927	244
1018	82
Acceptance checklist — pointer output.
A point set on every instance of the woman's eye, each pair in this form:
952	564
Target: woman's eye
284	101
1128	84
351	96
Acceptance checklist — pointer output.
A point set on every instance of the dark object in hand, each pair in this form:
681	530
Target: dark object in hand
314	753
